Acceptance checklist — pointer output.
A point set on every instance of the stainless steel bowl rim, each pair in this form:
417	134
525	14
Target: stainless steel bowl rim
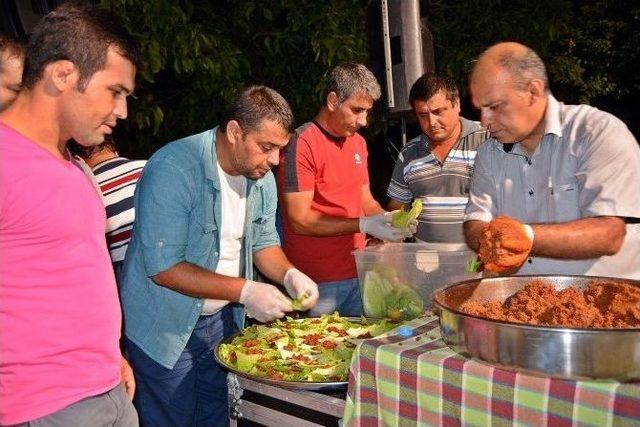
529	326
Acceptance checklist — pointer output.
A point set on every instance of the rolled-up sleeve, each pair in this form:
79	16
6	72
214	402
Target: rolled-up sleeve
609	169
264	225
398	188
482	191
162	215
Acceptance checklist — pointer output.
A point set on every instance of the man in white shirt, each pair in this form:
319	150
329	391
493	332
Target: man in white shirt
570	172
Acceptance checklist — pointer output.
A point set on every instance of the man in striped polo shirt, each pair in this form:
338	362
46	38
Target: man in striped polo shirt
436	167
117	178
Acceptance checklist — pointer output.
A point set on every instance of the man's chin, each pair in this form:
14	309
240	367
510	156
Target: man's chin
257	174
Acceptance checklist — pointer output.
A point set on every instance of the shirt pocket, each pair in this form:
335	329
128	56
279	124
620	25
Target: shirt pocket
202	248
565	201
258	227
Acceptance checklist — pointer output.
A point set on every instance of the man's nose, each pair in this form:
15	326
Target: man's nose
274	158
121	108
362	120
485	118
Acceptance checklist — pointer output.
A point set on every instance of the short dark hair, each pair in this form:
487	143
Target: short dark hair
12	45
256	104
80	33
430	84
349	78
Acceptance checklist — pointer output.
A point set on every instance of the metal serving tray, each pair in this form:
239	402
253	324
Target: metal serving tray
299	385
550	351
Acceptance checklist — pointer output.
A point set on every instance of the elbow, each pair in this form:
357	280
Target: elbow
165	278
615	241
299	227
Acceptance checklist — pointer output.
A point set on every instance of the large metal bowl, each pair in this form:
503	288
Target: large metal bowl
550	351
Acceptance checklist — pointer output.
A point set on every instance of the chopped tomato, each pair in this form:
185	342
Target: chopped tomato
328	344
341	332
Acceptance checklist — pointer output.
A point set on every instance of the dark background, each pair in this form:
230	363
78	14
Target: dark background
198	54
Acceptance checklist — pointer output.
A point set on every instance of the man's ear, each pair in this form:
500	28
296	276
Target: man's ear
62	74
536	91
332	101
456	105
234	132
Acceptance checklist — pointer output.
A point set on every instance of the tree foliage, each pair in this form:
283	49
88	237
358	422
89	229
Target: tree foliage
198	53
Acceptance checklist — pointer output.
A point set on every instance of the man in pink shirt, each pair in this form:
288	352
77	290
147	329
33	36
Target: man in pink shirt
60	361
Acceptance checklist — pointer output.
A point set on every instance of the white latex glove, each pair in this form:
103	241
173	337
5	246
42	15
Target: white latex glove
300	286
264	302
379	226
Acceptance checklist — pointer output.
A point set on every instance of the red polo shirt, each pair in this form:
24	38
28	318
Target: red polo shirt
335	169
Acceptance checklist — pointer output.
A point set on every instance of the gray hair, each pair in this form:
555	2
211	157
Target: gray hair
524	67
349	78
255	104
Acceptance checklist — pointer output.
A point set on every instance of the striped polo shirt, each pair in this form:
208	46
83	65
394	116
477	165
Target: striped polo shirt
443	188
117	178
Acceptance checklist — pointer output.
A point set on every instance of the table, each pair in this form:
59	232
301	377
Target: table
268	405
418	380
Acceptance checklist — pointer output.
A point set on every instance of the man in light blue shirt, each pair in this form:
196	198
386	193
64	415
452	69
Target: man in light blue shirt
570	172
205	209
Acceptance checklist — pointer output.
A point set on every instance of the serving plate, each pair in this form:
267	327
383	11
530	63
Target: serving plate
299	385
569	353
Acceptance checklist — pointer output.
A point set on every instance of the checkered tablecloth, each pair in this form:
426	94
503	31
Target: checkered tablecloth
398	381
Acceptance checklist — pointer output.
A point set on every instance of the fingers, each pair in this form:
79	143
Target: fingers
130	388
312	299
505	244
264	302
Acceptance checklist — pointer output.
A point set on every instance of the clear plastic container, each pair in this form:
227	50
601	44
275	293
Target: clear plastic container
397	279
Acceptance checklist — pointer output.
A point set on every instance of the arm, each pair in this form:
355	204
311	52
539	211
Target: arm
272	262
370	206
583	238
394	205
472	232
195	281
579	239
307	221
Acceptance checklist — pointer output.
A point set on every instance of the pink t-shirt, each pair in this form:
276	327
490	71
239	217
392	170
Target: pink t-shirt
59	310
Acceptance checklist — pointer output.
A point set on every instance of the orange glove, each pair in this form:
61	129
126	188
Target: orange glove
505	245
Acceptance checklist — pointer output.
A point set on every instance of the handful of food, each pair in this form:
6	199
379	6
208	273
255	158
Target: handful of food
300	350
505	245
403	218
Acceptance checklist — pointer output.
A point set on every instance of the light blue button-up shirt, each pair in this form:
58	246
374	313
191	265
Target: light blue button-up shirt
587	165
178	214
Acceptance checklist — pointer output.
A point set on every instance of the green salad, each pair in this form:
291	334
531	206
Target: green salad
311	350
384	295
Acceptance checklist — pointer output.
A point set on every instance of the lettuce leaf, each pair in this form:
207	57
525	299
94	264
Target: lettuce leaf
402	218
384	295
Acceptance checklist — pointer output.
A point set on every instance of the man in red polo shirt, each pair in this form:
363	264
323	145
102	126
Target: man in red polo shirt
323	185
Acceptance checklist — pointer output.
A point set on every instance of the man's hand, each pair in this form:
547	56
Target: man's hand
379	226
264	302
505	245
301	287
127	378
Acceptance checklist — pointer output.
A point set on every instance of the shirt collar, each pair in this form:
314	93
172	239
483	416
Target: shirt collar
211	159
211	162
552	123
